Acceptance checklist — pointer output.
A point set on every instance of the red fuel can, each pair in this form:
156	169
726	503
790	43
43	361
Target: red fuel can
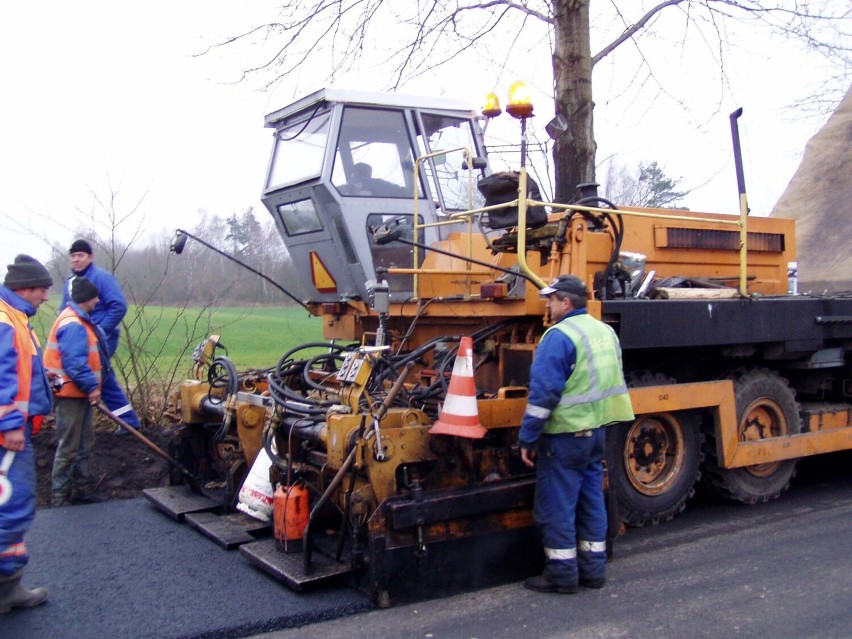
290	513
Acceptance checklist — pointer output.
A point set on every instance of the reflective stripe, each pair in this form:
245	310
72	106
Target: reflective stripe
53	356
594	396
26	344
462	406
15	550
595	393
560	554
124	409
537	411
591	546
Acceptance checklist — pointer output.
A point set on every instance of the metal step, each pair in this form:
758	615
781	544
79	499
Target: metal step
177	501
229	531
290	568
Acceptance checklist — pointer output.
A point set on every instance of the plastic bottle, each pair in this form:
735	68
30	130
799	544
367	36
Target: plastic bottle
792	278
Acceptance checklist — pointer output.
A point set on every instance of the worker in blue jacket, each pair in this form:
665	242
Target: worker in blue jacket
25	398
113	307
576	387
76	352
108	314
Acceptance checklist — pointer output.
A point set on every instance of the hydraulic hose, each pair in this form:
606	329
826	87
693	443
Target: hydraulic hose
616	223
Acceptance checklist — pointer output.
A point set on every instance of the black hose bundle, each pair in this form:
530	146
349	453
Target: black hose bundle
616	229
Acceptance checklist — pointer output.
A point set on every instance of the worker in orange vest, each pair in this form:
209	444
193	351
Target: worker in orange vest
75	351
25	399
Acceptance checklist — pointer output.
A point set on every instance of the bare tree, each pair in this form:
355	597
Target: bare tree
342	34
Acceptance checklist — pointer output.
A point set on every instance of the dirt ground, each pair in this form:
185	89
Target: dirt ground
121	465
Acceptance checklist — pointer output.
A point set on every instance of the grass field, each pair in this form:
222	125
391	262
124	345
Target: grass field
255	337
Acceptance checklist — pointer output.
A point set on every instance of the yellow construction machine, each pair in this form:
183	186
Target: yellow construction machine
408	245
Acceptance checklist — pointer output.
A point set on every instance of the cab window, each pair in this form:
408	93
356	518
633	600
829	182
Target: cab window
373	156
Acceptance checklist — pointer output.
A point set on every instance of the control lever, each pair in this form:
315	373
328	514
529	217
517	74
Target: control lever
383	409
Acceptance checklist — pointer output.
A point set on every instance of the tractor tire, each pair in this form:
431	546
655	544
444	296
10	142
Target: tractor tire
653	463
766	407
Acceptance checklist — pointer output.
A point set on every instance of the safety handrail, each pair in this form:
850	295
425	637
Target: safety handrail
523	203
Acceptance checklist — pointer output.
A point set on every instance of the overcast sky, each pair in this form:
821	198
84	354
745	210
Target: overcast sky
101	97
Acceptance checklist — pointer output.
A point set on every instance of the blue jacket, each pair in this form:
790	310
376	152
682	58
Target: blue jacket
555	359
74	348
111	308
41	397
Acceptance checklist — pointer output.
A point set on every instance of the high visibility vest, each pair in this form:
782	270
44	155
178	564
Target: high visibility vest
27	345
595	394
53	357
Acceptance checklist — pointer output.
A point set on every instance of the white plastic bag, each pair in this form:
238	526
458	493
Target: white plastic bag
255	497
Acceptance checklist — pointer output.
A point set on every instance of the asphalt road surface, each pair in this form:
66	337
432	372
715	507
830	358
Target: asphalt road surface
782	569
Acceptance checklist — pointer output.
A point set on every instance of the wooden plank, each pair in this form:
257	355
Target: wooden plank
694	293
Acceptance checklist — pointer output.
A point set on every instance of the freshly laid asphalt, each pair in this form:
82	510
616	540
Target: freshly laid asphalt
782	569
124	570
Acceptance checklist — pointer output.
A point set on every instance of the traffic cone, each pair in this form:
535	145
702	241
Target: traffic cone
460	414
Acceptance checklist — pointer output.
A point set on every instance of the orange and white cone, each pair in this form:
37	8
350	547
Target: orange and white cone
460	414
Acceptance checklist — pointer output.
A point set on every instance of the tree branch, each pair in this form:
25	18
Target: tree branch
633	29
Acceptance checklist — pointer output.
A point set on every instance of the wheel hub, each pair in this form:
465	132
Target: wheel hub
654	453
763	419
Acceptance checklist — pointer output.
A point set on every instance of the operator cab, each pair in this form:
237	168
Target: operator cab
343	163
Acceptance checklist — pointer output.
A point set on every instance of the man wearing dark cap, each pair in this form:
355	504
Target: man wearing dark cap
75	353
25	399
576	387
112	306
107	314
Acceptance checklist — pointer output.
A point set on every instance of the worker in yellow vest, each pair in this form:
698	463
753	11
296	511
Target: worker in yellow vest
576	388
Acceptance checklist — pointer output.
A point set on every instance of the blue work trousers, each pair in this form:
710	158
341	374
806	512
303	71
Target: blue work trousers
17	514
113	396
569	508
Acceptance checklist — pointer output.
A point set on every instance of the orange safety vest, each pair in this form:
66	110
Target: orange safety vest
53	358
27	344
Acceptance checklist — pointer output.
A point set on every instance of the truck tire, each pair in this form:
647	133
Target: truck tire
654	462
766	407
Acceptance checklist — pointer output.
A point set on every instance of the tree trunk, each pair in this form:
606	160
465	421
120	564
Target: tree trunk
574	152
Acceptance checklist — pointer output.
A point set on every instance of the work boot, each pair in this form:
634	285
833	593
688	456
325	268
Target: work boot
593	582
540	583
87	497
14	595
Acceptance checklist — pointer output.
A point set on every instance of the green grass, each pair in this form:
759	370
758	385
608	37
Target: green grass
258	337
255	337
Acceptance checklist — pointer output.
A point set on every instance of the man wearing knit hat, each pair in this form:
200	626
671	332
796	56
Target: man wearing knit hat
25	399
76	353
112	306
107	314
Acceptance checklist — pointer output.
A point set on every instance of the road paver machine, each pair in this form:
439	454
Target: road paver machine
408	246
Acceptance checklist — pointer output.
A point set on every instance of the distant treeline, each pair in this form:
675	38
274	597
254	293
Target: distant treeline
152	274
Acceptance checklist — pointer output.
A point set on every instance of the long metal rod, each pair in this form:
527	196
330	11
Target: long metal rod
190	478
741	189
177	248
